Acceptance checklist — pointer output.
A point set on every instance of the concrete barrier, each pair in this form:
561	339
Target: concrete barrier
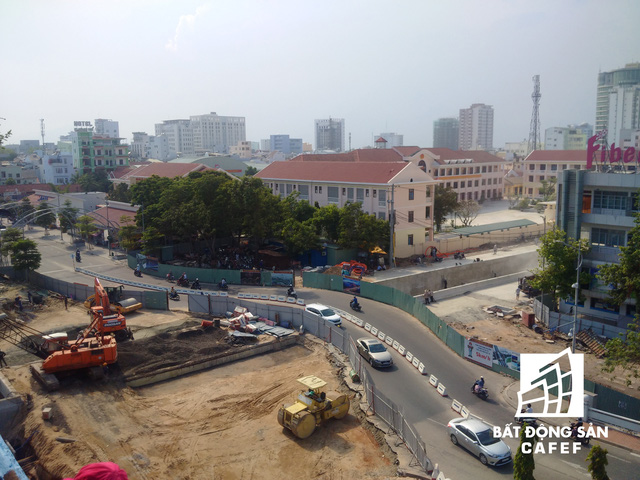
442	390
464	411
395	345
374	331
415	362
433	381
422	368
381	336
388	340
456	406
367	327
409	356
401	350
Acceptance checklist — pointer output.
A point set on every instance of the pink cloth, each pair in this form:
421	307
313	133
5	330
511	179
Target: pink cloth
100	471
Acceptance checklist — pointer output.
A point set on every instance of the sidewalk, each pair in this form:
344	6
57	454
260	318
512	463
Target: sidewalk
616	437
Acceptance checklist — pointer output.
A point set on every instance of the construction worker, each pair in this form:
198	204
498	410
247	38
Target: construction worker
2	360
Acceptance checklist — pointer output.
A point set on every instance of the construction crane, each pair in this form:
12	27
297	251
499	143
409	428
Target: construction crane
89	352
110	319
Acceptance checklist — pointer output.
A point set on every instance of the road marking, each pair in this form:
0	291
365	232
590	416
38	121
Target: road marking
55	271
574	465
618	458
634	454
437	423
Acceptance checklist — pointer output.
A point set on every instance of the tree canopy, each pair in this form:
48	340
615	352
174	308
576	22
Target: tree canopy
445	202
467	211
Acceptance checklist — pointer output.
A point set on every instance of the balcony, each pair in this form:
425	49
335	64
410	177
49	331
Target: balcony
603	254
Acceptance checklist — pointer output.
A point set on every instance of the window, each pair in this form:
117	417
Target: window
484	181
532	167
462	184
543	167
382	198
411	194
428	192
609	200
304	192
382	215
332	194
541	177
448	184
457	171
410	239
374	193
427	212
350	193
320	189
531	178
484	169
360	195
477	169
564	167
475	184
289	188
554	167
366	193
410	219
315	188
455	184
462	197
344	191
531	191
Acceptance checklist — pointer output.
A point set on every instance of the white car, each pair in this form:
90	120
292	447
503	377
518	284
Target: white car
374	352
477	437
324	312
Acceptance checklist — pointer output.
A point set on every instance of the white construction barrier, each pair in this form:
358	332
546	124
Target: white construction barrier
282	298
374	331
388	340
456	406
264	297
433	381
367	327
381	336
442	390
422	368
359	322
409	357
273	298
299	301
464	411
401	350
415	362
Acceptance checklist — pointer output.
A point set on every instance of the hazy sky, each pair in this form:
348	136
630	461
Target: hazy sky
383	66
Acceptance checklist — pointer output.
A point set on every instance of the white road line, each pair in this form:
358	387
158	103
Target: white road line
437	423
635	454
574	465
618	458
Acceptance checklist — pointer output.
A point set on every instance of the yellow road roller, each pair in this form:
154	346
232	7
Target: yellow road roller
313	406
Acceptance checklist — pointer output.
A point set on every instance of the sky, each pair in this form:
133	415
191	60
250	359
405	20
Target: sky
383	66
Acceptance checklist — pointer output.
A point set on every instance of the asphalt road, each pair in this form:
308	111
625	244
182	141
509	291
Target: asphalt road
422	405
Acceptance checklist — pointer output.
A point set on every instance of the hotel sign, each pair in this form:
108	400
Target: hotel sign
612	155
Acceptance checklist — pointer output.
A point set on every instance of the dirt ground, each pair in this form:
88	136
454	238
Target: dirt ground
217	424
509	332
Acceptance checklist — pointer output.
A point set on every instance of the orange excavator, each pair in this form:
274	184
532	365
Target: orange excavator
108	321
90	352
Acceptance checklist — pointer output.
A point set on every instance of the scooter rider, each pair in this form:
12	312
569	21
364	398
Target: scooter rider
290	290
354	302
478	385
575	426
196	284
173	293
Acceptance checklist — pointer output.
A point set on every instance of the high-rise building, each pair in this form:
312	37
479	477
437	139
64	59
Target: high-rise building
285	144
150	146
618	104
209	133
330	134
476	127
393	139
571	137
445	133
93	152
107	128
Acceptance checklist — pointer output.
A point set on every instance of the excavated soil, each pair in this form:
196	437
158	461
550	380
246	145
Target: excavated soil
217	424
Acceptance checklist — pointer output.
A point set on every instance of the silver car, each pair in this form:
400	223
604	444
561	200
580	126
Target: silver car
477	437
375	352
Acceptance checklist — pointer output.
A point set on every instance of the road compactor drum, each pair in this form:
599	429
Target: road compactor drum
313	406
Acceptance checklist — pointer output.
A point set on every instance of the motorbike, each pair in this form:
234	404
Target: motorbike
292	293
355	306
196	286
174	296
458	255
170	278
532	422
78	257
223	286
577	436
137	273
183	282
482	392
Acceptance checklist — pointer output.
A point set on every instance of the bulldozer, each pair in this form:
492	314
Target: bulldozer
111	319
312	406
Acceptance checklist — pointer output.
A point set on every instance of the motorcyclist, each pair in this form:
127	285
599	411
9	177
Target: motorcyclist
183	279
170	276
136	272
478	385
290	290
196	284
354	302
78	254
575	426
173	293
223	283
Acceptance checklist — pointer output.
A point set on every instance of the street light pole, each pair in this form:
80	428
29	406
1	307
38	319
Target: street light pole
108	235
575	303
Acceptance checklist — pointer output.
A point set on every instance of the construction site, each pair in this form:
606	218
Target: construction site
184	400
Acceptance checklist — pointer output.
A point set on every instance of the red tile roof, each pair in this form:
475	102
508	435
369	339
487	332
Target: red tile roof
478	156
114	215
407	151
381	140
161	169
352	172
23	189
557	156
360	155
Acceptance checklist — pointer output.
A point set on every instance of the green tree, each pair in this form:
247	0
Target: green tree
97	181
85	227
128	233
250	171
523	203
327	222
523	463
3	138
25	209
299	237
557	260
597	459
25	255
9	237
119	192
445	202
44	216
548	189
349	215
467	211
152	240
68	216
10	181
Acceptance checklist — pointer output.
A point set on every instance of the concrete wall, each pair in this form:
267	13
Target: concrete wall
10	404
463	274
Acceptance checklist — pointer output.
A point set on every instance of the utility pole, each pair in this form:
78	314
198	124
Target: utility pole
392	221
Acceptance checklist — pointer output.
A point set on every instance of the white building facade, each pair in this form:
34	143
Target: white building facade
475	127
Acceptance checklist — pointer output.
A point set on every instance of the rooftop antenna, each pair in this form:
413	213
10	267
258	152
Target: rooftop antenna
42	133
534	131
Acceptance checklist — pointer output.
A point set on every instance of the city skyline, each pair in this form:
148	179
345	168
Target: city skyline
380	66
